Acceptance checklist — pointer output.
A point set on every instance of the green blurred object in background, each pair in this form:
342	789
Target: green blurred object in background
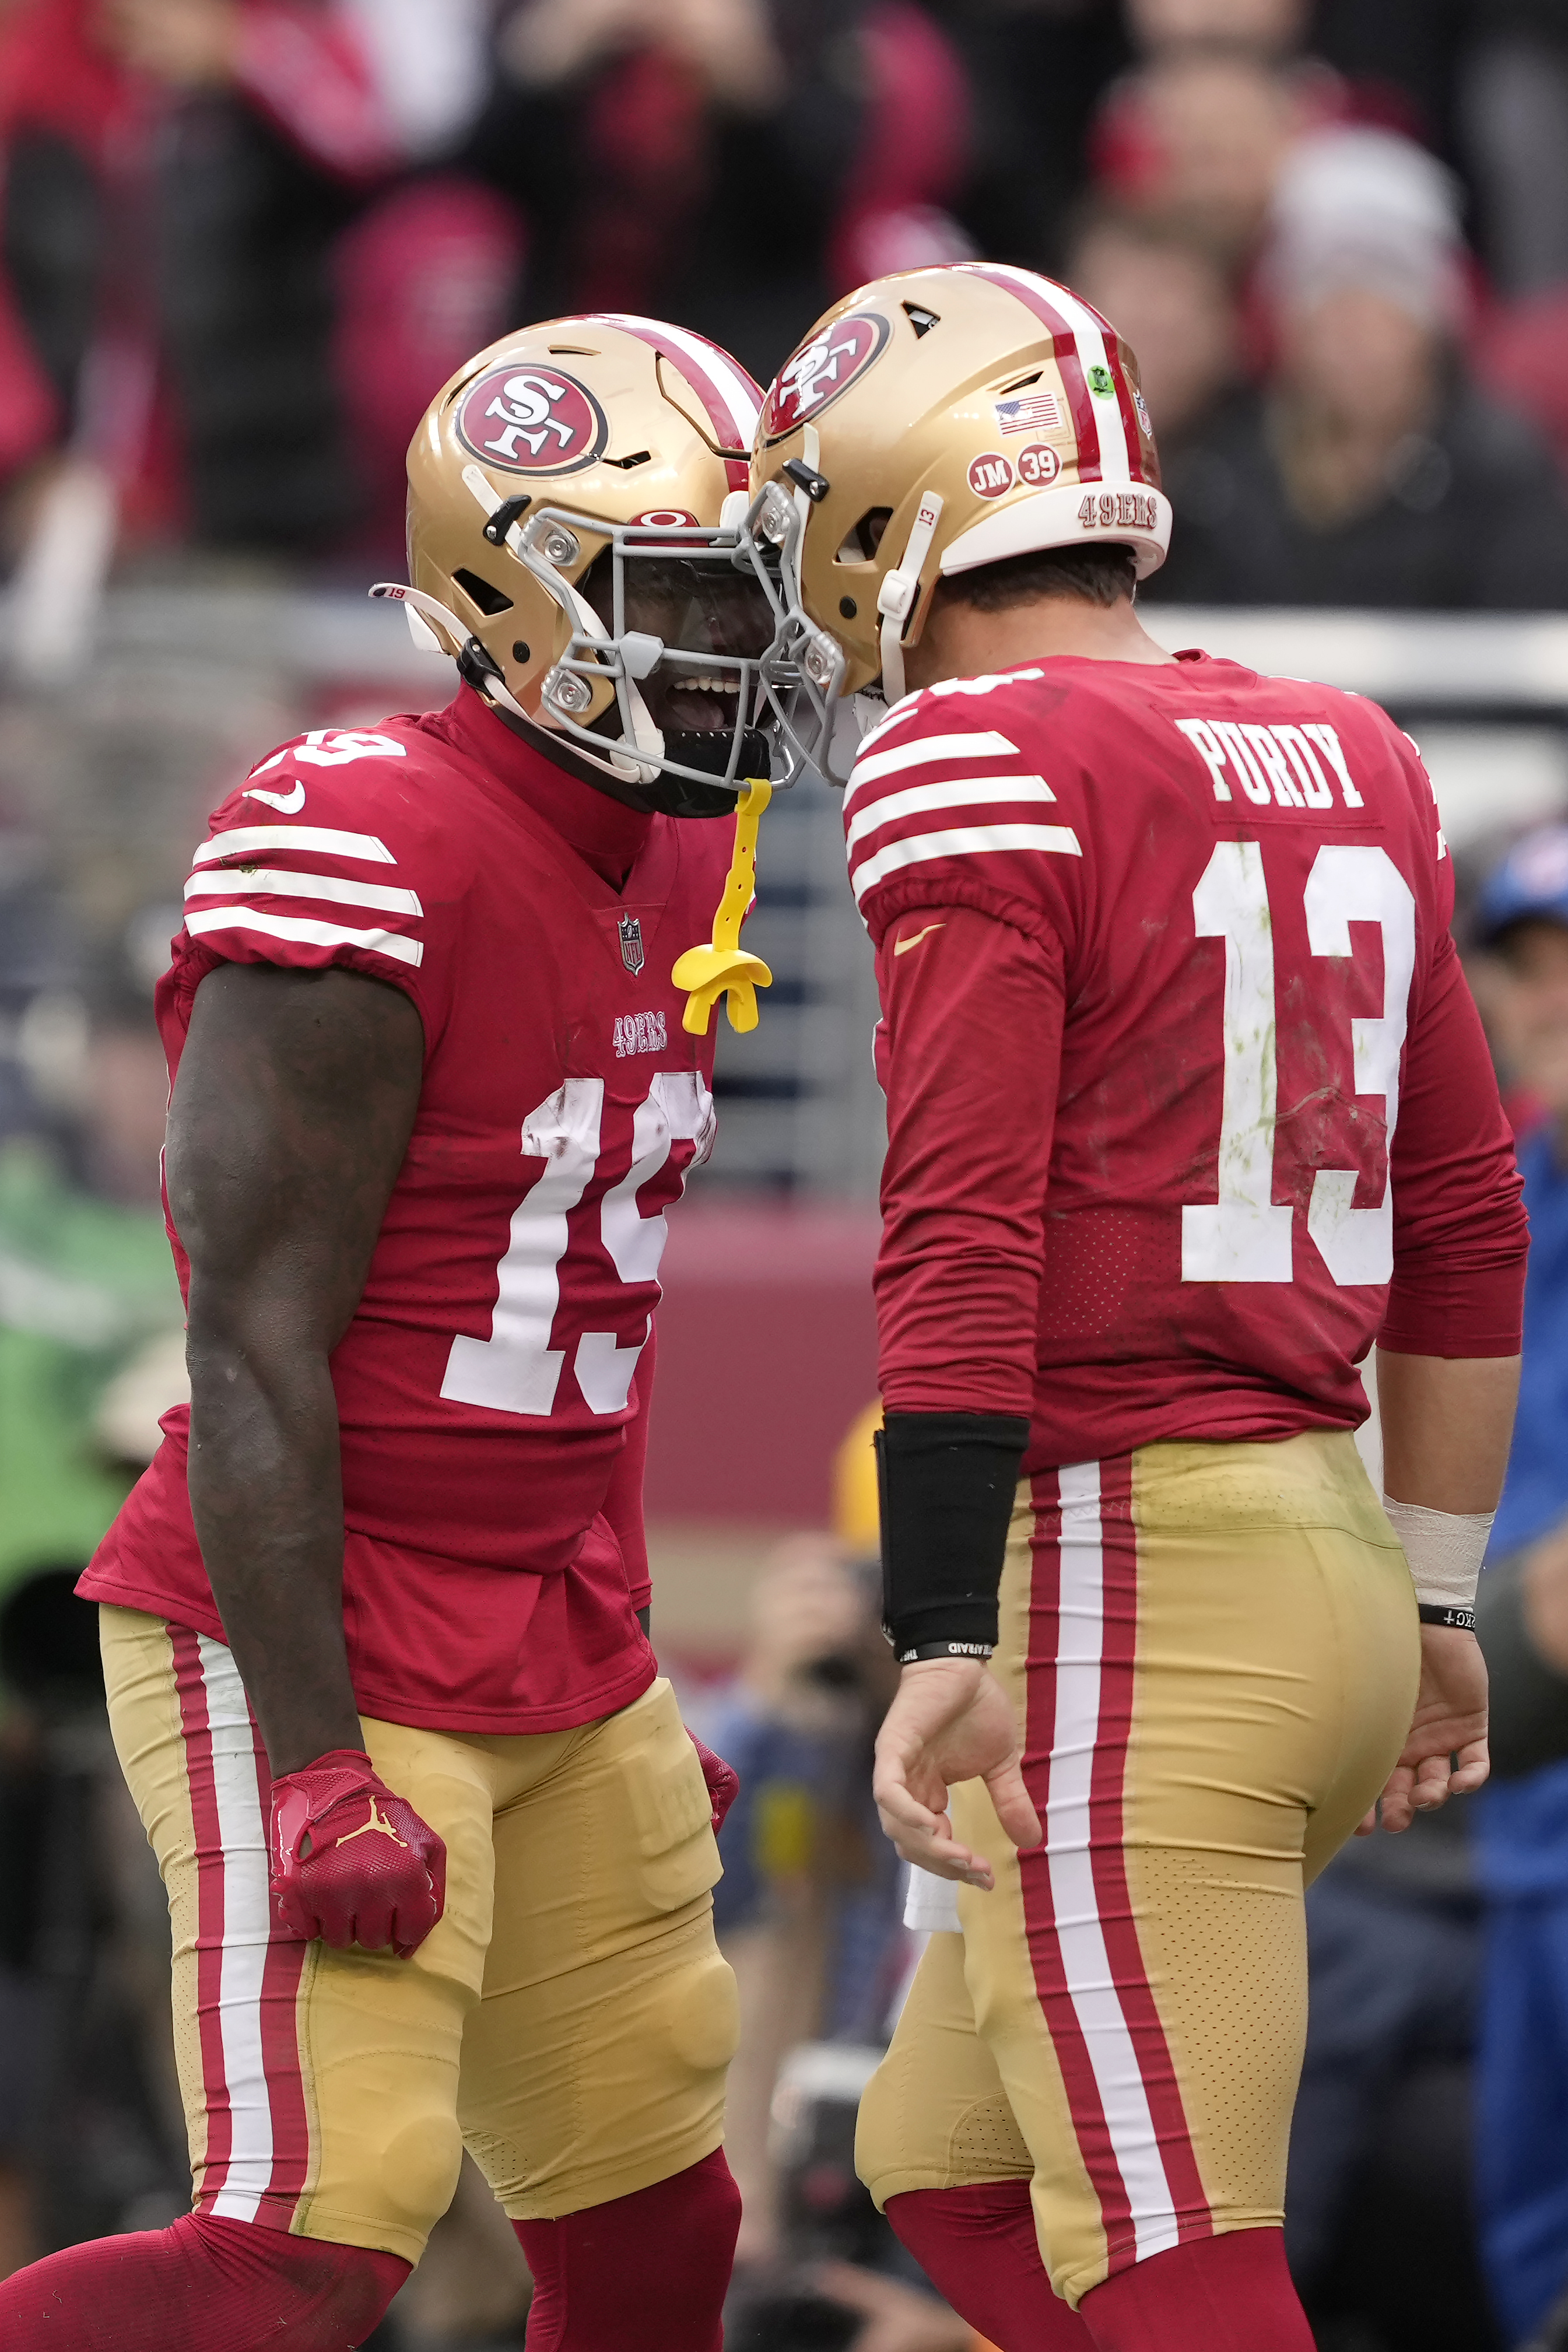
85	1288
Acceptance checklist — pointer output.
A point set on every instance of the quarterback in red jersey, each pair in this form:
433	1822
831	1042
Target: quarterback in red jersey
438	1850
1187	1106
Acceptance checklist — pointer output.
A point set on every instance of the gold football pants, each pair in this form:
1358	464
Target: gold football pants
569	2021
1214	1651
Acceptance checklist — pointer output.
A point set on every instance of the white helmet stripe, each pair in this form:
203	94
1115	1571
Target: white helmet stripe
733	402
741	396
1058	308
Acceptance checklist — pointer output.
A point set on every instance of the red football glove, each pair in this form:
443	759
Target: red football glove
723	1781
352	1863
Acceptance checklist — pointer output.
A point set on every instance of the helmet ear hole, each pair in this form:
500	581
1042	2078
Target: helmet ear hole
862	539
489	598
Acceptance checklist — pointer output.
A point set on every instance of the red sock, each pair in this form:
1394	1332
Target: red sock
1230	2294
202	2285
649	2270
977	2247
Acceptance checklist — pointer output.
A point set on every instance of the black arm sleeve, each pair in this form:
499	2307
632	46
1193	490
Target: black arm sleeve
948	1482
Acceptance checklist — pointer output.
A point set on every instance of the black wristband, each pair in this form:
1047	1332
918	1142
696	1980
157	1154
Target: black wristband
1443	1612
923	1652
948	1482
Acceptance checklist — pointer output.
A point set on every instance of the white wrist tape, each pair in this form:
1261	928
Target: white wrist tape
1445	1549
931	1904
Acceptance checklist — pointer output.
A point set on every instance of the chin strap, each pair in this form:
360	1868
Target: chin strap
724	968
896	598
429	621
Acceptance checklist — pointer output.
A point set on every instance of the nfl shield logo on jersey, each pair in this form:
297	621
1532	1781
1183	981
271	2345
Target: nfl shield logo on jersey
631	932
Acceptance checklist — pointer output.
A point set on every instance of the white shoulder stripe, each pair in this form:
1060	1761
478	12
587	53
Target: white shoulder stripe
902	709
319	837
924	751
967	791
962	841
303	928
269	882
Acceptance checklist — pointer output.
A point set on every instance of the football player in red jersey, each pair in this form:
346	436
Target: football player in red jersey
1187	1106
438	1849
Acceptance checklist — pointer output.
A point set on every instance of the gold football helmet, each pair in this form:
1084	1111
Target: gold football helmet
575	494
932	422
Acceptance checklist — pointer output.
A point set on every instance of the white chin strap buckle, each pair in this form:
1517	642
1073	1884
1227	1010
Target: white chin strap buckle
900	589
437	621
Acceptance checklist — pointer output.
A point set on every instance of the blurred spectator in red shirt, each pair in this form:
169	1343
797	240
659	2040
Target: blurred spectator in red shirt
732	164
175	171
1368	470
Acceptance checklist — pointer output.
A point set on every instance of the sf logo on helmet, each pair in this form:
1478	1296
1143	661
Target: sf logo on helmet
823	368
531	421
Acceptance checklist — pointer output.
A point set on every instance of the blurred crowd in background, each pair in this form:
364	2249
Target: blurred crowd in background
243	239
242	242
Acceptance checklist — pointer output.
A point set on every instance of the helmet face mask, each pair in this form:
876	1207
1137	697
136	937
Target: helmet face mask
966	413
660	673
575	495
802	671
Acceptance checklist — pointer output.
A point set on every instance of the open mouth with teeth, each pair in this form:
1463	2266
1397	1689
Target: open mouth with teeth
689	702
695	607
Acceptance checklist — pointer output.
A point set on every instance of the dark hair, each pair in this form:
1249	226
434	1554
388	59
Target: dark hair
1095	575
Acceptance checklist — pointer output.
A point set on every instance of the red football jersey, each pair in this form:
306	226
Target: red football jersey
487	1390
1189	1103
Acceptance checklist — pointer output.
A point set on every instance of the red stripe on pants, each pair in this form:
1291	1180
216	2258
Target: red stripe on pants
282	1967
280	2049
1118	1658
192	1692
1042	1680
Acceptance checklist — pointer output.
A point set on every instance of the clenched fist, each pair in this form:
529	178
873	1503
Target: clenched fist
352	1863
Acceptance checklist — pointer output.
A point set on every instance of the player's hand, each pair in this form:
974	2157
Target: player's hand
950	1720
1446	1754
723	1782
352	1863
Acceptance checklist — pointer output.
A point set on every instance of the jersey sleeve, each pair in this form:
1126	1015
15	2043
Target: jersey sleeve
947	805
1428	824
328	855
973	1011
1461	1235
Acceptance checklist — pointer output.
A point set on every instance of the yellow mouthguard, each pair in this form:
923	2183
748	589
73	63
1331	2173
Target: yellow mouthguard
724	968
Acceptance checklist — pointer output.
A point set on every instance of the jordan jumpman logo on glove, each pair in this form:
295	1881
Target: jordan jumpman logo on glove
350	1862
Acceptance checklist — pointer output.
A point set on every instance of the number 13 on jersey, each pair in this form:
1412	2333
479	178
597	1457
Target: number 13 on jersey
1246	1235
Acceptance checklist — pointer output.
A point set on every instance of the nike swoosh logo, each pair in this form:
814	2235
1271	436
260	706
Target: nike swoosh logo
901	947
287	803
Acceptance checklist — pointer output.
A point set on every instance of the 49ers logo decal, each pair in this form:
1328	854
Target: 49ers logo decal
532	420
1119	510
821	370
